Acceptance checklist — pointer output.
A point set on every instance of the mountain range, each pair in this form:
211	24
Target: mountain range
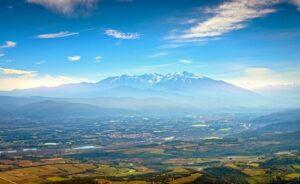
173	90
147	85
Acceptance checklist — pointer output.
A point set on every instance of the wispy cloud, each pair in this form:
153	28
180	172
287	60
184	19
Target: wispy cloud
9	44
98	59
156	55
120	35
8	71
67	7
39	62
227	17
1	54
185	61
171	46
57	35
74	58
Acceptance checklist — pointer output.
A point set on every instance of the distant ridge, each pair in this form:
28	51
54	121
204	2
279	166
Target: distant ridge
185	89
173	93
172	83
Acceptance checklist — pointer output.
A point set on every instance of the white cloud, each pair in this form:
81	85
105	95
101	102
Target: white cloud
98	59
8	44
40	62
1	54
8	71
11	79
56	35
67	7
24	82
259	77
119	35
297	3
74	58
185	61
227	17
156	55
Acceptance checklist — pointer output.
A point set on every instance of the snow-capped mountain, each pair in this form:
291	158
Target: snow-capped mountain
180	87
184	83
150	80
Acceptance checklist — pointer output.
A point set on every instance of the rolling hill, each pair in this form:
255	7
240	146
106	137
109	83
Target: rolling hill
37	107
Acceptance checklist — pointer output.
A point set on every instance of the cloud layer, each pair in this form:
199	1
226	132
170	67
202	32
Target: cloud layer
23	82
119	35
11	79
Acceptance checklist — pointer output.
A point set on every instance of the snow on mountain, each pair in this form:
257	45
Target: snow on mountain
170	85
151	79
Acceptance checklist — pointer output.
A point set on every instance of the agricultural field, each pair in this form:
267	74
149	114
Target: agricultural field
156	151
248	169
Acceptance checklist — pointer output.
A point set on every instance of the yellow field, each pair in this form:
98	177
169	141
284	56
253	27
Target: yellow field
254	172
187	179
292	176
254	164
55	178
40	174
232	166
296	166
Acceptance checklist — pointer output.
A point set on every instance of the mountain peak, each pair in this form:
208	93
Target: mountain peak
174	86
150	79
184	74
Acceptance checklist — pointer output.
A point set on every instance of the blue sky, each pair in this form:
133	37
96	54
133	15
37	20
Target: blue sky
251	43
